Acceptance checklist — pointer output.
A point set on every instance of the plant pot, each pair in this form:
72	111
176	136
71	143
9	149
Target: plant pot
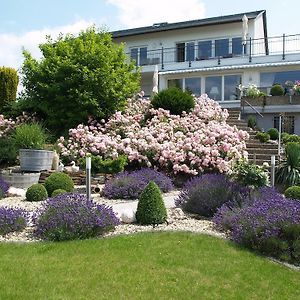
20	180
35	160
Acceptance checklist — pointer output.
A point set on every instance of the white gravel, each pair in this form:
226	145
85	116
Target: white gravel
177	220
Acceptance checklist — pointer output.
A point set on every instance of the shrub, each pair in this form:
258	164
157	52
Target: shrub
252	91
277	90
263	137
273	133
129	185
30	136
151	208
107	166
288	172
271	226
175	100
58	192
250	174
37	192
290	138
12	219
203	195
3	187
59	180
293	192
8	85
252	122
72	216
8	151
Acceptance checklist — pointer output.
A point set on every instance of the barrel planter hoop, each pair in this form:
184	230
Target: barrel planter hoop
35	160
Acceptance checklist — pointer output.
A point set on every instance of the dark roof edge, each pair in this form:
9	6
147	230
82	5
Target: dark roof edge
189	24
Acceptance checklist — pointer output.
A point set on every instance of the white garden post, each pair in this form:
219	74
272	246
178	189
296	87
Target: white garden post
88	165
272	170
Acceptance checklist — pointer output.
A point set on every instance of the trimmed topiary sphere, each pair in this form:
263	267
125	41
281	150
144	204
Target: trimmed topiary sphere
277	90
293	192
175	100
263	137
58	192
151	208
57	181
273	133
37	192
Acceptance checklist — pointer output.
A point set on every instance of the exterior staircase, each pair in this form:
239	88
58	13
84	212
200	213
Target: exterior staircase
257	152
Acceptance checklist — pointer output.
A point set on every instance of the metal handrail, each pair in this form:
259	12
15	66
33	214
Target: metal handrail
243	107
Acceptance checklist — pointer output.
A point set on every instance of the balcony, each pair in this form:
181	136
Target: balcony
222	52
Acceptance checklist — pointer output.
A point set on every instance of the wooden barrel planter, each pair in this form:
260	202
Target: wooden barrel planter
18	179
35	160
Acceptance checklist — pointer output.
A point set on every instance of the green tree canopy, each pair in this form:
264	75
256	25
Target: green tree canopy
9	80
77	77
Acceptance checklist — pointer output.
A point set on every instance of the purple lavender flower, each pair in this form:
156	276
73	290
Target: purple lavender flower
71	216
12	219
3	187
129	185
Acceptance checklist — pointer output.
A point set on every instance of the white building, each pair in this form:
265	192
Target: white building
214	56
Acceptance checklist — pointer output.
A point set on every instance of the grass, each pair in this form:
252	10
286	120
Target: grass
142	266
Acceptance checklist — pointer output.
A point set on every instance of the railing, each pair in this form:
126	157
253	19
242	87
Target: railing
190	52
243	102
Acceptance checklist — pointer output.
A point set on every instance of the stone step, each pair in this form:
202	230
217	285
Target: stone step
266	151
257	144
261	156
260	161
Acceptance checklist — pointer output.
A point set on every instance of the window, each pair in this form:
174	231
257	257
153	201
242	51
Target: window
237	46
231	83
134	54
193	85
268	79
222	48
143	56
175	83
180	52
190	51
213	87
204	50
288	124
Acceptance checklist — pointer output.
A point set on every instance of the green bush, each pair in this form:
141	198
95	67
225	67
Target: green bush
252	122
175	100
37	192
151	209
293	192
8	152
58	192
290	138
30	136
273	133
59	180
263	137
107	166
8	86
277	90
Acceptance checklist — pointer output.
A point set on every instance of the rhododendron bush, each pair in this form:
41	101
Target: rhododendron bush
190	143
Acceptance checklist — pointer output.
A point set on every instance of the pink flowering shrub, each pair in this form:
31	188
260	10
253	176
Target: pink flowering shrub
191	143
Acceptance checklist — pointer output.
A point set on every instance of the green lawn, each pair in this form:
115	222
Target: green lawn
142	266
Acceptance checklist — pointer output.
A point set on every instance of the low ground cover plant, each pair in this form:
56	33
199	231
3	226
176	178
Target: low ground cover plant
270	225
151	208
129	185
293	192
58	192
59	180
71	216
3	187
12	220
204	194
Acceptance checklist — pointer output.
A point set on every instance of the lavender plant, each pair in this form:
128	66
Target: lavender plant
12	219
3	187
71	216
203	195
129	185
271	225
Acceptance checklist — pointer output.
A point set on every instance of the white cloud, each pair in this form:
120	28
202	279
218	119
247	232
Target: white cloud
11	44
136	13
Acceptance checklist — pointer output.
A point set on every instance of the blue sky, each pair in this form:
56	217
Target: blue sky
26	23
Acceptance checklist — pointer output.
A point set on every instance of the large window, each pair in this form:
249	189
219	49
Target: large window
190	51
204	50
237	46
231	83
180	52
134	54
139	55
288	124
222	48
213	87
193	85
268	79
175	83
143	56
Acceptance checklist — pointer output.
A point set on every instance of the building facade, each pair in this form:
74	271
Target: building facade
215	56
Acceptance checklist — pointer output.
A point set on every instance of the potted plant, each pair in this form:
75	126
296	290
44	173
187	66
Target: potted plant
30	139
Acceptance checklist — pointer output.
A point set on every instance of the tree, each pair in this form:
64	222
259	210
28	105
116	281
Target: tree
9	80
77	77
